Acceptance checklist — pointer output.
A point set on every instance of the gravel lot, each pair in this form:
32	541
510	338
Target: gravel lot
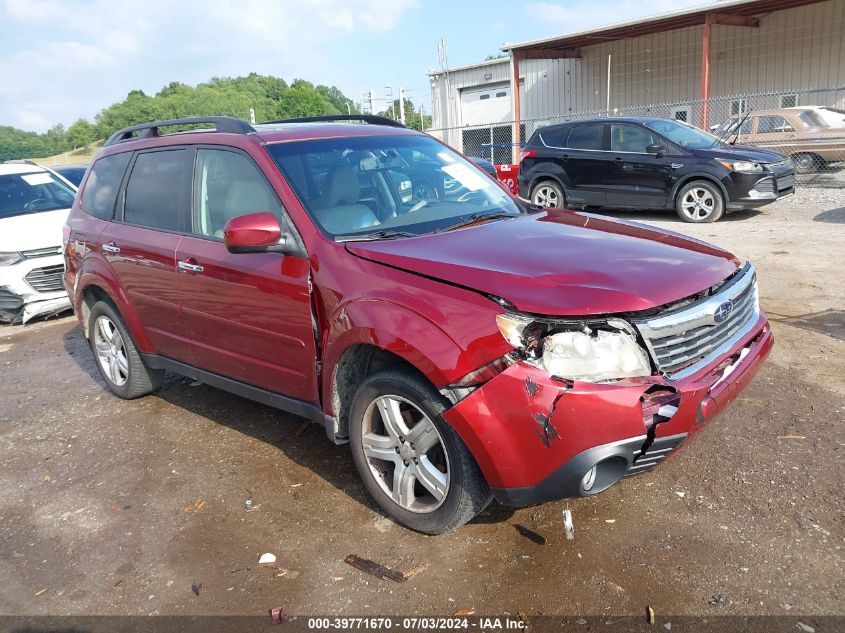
115	507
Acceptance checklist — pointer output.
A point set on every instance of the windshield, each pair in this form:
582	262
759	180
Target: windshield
682	134
387	185
33	192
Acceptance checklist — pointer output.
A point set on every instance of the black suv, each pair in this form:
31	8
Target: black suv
649	163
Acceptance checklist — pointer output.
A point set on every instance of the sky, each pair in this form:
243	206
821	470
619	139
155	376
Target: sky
61	60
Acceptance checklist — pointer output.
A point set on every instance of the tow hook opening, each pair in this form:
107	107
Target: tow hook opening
603	475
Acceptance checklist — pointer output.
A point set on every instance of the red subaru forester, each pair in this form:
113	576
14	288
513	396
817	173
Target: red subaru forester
466	344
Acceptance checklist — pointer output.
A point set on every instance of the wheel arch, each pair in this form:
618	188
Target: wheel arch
685	180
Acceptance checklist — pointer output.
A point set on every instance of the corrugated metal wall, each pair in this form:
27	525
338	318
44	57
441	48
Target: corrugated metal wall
795	49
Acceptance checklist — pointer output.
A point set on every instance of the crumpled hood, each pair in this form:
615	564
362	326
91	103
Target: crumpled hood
561	263
32	230
740	152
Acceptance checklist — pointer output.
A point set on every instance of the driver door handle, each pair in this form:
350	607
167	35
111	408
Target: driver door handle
190	264
111	248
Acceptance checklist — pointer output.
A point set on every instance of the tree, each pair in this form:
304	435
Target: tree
80	134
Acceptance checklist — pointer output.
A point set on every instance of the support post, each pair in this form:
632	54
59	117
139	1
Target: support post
705	71
517	115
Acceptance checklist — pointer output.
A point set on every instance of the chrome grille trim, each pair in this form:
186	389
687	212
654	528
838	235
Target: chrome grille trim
46	279
42	252
683	341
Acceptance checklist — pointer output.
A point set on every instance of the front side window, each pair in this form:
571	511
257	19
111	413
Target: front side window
682	134
158	190
630	138
101	189
586	137
355	186
772	124
228	185
33	192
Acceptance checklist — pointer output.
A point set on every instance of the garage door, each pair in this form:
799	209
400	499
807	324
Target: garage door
487	104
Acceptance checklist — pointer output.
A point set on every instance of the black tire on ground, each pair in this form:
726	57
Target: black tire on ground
466	493
700	201
126	376
548	193
807	163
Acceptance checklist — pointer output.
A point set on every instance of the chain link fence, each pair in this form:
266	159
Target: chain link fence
806	125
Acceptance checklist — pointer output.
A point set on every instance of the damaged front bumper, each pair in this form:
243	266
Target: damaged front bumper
32	288
537	438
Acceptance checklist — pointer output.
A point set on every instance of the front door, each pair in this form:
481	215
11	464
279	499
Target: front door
140	245
247	315
638	179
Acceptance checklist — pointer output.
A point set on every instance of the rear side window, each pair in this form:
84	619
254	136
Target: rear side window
158	191
554	138
586	137
101	189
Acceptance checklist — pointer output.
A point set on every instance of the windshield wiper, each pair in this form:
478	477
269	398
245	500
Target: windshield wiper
477	217
384	234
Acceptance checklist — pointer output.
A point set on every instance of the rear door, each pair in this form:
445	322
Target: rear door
247	315
140	245
637	179
588	164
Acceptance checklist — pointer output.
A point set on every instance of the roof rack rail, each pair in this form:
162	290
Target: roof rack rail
372	119
150	130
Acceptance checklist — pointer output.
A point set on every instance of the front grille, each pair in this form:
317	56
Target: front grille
657	451
42	252
684	340
46	279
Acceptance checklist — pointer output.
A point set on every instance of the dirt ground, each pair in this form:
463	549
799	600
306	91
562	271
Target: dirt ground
116	507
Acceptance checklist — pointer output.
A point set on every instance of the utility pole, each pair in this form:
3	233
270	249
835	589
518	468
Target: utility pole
372	102
390	94
401	106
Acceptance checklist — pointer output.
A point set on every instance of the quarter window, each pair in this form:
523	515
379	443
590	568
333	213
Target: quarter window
158	189
554	138
586	137
101	188
629	138
228	185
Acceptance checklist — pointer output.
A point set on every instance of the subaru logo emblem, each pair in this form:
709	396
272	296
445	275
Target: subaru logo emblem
723	312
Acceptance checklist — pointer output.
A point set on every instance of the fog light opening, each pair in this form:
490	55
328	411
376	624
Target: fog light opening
603	475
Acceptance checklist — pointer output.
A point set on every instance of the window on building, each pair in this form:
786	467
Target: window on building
502	94
788	101
484	96
681	115
739	107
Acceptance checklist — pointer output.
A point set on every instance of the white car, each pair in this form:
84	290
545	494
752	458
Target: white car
34	205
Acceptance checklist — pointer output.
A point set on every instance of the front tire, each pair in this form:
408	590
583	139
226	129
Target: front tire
548	194
699	201
117	358
411	461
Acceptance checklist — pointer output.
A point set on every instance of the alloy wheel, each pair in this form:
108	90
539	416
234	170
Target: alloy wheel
111	351
698	203
405	454
545	196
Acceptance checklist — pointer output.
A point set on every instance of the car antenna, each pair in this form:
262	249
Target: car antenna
736	129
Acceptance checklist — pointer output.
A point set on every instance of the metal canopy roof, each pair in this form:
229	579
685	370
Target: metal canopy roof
736	13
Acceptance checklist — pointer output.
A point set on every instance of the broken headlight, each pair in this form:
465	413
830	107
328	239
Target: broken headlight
594	352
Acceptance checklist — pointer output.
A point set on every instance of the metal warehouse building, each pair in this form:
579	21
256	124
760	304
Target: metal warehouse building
699	65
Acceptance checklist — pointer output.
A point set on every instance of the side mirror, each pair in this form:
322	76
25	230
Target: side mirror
254	233
657	149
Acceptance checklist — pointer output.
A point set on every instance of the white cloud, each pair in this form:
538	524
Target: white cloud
82	59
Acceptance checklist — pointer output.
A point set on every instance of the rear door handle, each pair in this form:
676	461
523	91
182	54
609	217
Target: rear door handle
627	167
111	248
189	264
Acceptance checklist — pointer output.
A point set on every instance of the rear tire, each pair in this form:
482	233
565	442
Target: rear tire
411	461
116	356
699	201
549	194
